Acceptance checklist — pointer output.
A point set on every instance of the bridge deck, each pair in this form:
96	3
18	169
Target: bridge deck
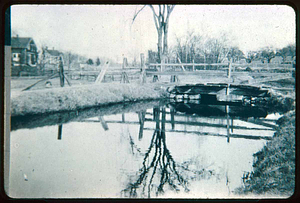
204	89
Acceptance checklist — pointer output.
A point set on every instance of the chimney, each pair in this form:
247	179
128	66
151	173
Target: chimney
52	48
17	36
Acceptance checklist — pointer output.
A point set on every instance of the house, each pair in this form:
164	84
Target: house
241	61
24	55
277	60
50	59
290	60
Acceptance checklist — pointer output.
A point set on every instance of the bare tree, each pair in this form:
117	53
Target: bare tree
235	54
289	50
267	53
161	16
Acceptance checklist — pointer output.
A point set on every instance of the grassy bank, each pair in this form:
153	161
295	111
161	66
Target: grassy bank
58	118
71	98
274	166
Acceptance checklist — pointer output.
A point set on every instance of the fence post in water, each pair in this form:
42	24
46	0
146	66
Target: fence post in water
228	124
59	132
173	118
163	123
141	115
103	123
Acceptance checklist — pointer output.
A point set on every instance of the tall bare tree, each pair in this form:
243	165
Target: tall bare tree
161	16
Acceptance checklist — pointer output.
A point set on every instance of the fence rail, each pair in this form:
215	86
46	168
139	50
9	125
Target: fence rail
222	71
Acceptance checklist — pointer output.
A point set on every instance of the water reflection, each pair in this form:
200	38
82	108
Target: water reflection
160	163
138	150
161	169
59	132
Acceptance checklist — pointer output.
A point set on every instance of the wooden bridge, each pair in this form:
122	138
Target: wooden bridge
208	92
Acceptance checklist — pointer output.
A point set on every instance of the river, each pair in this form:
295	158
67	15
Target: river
157	149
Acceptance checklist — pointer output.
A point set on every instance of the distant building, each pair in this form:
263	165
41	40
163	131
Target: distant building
256	61
24	55
50	59
277	60
242	61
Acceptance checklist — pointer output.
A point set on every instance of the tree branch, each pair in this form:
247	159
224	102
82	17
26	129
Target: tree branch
153	10
136	14
155	18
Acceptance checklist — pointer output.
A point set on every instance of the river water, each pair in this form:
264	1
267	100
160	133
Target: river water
148	150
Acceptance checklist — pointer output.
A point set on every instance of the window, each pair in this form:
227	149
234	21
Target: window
31	59
32	47
16	56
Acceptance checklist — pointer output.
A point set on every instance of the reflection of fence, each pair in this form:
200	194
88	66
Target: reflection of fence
187	123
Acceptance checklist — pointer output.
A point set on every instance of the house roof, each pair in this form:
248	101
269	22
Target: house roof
20	42
53	52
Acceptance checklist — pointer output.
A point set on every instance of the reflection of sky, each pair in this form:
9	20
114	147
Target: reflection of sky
91	162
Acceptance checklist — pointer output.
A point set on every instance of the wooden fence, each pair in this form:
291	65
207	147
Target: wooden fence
222	72
258	72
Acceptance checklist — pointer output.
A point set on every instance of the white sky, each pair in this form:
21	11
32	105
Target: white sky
106	31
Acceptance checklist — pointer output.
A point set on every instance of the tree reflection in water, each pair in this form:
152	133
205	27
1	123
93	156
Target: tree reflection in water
159	170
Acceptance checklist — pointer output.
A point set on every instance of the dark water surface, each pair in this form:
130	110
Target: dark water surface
149	149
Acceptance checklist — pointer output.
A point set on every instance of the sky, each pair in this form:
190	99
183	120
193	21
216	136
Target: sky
107	30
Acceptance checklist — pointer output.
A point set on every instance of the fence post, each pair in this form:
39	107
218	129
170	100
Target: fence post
163	62
229	76
193	65
143	76
229	69
124	77
61	72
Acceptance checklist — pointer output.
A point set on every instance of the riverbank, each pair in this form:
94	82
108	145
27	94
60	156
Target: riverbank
273	172
80	97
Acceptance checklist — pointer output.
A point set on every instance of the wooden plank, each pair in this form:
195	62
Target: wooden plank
48	78
102	73
180	64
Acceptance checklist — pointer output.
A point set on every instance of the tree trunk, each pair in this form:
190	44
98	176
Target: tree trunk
159	45
166	29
